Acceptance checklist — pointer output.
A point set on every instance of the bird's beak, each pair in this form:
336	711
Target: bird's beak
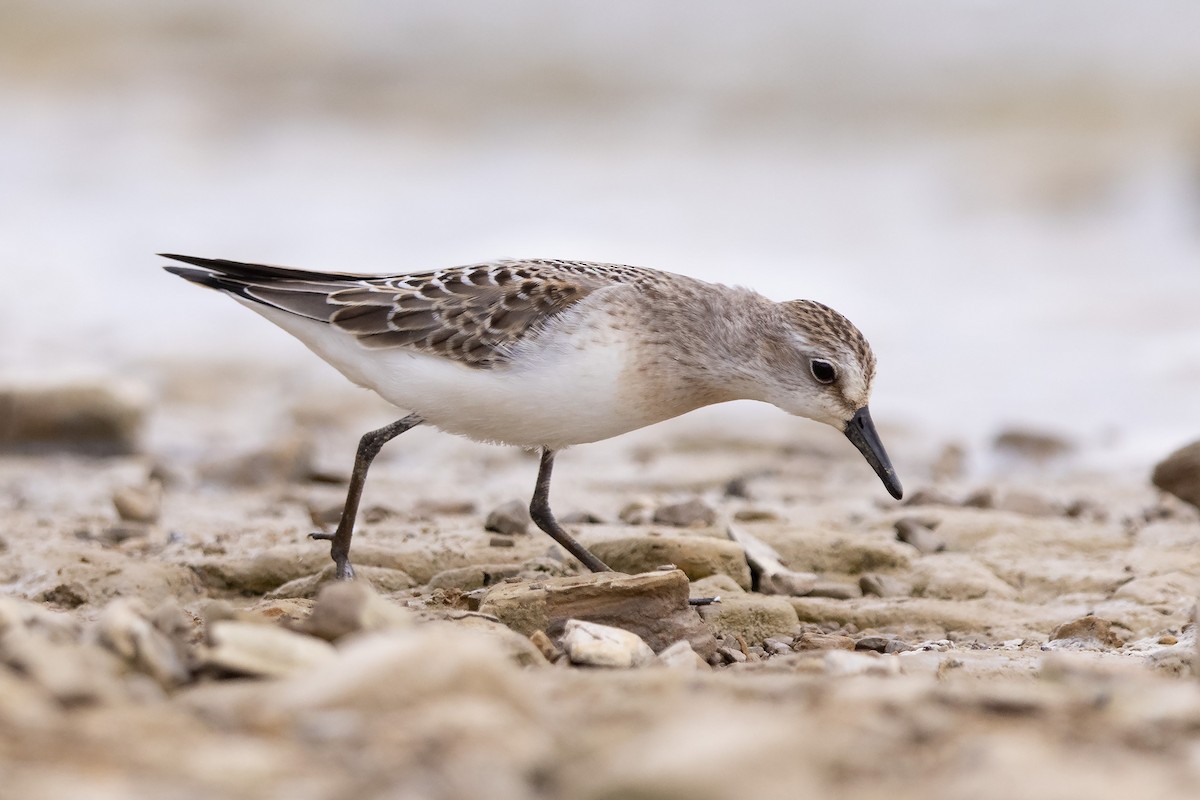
861	431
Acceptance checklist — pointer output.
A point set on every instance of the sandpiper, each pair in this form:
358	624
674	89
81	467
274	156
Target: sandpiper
547	354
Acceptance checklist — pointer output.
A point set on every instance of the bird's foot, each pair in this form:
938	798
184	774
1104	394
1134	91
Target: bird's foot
344	572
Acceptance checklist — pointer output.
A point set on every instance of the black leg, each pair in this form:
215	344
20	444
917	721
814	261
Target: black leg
539	509
368	447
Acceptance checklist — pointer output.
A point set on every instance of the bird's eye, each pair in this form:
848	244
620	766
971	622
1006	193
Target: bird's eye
823	371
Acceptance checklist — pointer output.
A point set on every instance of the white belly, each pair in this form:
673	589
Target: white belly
557	390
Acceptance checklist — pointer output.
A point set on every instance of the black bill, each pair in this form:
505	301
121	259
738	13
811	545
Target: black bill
861	431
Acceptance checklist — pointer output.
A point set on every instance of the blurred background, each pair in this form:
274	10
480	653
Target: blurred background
1006	199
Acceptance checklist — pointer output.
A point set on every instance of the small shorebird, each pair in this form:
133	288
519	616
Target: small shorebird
547	354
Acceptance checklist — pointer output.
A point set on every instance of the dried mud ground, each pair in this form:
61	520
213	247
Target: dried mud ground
1032	637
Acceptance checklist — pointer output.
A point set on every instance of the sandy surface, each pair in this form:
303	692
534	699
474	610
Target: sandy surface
117	678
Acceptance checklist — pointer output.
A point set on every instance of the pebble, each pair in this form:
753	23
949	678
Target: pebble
547	646
694	513
346	607
882	644
732	655
911	531
511	519
698	556
1086	633
1179	474
501	541
929	497
593	645
636	512
581	518
653	605
768	569
757	515
90	418
878	585
262	651
139	503
777	646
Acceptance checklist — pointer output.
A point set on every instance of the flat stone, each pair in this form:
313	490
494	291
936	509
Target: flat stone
753	617
956	576
511	518
810	640
1179	474
1031	444
694	513
594	645
839	590
697	556
653	605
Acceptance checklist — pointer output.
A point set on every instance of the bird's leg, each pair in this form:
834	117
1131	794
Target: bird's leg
368	447
543	517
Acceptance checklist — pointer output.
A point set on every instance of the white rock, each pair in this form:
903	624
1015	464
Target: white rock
593	645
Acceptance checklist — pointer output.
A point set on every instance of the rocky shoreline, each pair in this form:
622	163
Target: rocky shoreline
166	630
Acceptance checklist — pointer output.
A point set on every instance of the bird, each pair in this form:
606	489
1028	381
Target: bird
546	354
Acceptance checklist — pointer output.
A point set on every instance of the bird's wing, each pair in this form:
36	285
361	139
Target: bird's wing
473	314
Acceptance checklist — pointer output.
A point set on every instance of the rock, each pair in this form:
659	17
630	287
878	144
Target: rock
681	656
1030	504
768	571
984	497
752	617
67	595
511	518
653	605
731	655
125	628
697	556
1086	633
139	503
884	586
911	531
636	512
580	518
345	607
262	573
90	418
501	541
811	640
593	645
519	649
694	513
714	586
47	652
1179	474
262	651
549	650
956	576
1031	444
383	579
882	644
